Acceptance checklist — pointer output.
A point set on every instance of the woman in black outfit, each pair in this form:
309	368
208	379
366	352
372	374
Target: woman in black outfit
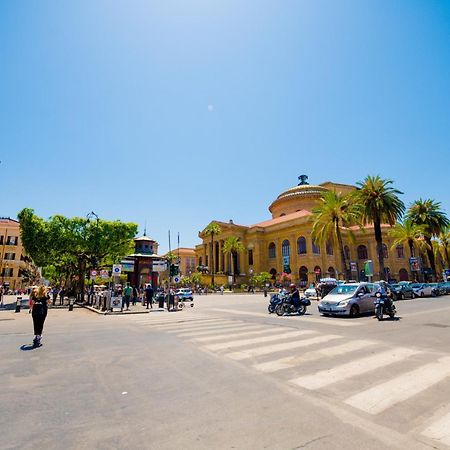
39	308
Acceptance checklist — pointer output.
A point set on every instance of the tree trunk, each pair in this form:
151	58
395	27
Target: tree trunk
379	240
345	271
213	253
414	275
431	259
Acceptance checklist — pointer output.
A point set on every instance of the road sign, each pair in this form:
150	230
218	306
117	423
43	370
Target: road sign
353	267
117	269
176	279
116	302
368	268
104	274
414	264
127	266
94	273
159	266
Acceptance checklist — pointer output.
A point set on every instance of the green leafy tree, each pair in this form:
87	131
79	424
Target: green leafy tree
213	229
428	214
73	246
231	247
261	279
379	204
444	239
334	212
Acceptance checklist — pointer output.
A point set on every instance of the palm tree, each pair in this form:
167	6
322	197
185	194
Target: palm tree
334	212
428	213
380	204
444	238
231	246
213	229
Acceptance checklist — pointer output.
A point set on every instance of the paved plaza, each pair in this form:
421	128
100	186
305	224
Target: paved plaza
226	374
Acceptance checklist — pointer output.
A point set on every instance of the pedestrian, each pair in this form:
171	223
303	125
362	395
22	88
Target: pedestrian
127	296
135	295
221	289
149	295
54	295
1	297
39	307
61	296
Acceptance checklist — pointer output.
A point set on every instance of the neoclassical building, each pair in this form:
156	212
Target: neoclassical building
284	242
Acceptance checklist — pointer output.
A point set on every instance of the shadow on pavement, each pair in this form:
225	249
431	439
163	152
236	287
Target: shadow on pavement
27	347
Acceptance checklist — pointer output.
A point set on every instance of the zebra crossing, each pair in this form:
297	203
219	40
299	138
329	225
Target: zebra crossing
320	362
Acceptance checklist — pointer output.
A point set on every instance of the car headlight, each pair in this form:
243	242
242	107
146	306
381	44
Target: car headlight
343	303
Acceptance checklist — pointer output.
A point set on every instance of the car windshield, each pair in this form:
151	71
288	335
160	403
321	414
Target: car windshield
395	286
344	289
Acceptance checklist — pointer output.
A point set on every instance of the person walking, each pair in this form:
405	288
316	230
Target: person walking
39	307
54	295
61	296
135	296
127	296
149	295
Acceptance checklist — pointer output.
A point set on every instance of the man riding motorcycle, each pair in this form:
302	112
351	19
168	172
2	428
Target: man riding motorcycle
294	295
387	293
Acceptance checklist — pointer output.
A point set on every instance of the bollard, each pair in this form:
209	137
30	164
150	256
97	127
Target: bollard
19	299
71	304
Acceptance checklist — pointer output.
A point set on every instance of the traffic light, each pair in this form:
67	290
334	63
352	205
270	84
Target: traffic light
174	270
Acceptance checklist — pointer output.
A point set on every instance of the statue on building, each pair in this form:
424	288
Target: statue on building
303	180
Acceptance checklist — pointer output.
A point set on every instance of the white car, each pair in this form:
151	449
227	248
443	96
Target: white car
422	289
310	292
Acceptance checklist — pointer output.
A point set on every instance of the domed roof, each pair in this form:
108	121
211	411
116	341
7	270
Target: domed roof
303	190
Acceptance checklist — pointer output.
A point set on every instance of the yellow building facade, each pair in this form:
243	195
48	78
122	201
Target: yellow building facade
285	241
12	254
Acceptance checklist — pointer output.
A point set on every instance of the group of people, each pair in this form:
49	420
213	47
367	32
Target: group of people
132	294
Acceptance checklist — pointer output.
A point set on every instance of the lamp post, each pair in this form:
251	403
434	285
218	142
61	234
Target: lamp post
94	261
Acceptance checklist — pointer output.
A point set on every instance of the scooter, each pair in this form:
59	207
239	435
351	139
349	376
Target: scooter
286	307
384	306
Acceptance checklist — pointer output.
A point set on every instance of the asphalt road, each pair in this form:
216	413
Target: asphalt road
226	374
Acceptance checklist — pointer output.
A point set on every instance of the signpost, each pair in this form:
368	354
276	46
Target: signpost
104	274
159	266
117	269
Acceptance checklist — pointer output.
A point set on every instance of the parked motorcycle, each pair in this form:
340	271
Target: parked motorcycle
384	306
286	307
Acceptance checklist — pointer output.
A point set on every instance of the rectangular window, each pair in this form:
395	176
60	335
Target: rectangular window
1	239
250	257
7	272
12	240
10	256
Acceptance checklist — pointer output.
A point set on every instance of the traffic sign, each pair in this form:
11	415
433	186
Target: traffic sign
104	274
94	273
117	269
176	279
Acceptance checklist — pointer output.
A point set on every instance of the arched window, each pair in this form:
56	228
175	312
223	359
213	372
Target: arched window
329	248
273	272
399	251
403	274
301	245
385	251
286	248
347	253
318	272
303	276
332	272
272	250
315	248
362	252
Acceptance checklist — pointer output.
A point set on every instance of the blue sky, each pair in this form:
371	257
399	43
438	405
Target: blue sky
179	112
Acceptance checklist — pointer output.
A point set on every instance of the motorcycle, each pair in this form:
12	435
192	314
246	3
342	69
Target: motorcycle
384	306
286	307
275	299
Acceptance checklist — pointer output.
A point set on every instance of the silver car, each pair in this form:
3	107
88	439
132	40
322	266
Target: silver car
349	299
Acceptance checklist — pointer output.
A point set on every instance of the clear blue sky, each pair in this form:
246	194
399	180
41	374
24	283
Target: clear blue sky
179	112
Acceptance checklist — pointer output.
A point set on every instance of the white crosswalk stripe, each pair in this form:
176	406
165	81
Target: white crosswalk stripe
357	367
401	388
439	431
274	348
223	333
254	331
201	327
197	323
259	340
293	361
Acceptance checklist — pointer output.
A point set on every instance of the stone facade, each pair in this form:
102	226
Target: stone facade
287	237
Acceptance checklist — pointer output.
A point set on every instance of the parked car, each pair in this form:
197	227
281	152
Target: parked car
402	291
435	290
310	292
185	294
445	288
422	290
350	299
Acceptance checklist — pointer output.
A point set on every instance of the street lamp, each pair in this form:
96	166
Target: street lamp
94	260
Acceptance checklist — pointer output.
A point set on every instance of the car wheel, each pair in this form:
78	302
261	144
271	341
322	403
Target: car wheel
354	311
401	296
422	294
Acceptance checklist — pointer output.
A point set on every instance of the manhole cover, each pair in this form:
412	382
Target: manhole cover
437	325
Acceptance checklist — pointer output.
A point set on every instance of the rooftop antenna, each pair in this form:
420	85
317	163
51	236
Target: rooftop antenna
145	228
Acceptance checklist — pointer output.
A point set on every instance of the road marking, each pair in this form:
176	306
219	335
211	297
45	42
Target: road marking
216	326
259	340
349	370
244	354
164	323
440	430
307	319
211	334
293	361
385	395
179	325
219	337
